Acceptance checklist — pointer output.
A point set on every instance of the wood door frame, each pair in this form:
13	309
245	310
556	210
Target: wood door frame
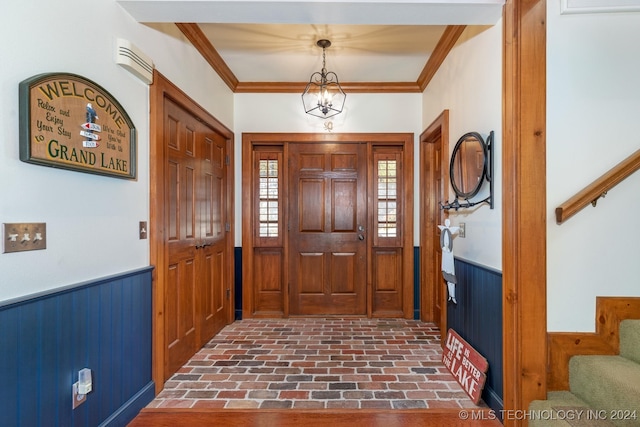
160	89
524	254
524	226
430	199
252	139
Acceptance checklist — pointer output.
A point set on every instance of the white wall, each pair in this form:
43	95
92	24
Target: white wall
366	113
469	85
593	110
92	221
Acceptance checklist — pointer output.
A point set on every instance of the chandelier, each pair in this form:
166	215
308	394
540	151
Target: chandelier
323	97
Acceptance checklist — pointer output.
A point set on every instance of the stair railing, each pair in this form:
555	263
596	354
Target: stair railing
598	188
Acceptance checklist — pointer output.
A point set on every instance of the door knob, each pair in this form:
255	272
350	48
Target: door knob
360	237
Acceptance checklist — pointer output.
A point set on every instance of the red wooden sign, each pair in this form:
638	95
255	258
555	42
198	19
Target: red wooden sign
466	364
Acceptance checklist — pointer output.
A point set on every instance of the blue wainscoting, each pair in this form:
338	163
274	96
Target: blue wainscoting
478	319
45	339
237	286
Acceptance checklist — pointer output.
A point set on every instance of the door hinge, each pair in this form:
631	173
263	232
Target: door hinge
227	226
228	293
227	159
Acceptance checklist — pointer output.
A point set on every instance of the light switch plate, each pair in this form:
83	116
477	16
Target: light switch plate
463	230
24	236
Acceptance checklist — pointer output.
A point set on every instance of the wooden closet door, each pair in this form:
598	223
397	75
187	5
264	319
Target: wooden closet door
182	234
196	292
212	253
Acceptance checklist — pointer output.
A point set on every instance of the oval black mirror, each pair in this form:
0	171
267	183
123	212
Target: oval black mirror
468	166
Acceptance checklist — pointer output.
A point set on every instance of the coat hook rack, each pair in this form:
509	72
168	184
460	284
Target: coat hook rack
456	204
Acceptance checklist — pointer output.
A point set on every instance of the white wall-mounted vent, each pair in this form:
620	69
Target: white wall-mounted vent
598	6
131	58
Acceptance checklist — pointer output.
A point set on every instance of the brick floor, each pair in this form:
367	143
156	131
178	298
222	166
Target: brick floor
317	363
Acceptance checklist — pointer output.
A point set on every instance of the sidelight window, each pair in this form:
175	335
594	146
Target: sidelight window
268	184
387	198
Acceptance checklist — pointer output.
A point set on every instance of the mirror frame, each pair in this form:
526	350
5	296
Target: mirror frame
487	174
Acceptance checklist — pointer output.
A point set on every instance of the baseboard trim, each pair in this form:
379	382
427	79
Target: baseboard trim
610	311
493	400
127	412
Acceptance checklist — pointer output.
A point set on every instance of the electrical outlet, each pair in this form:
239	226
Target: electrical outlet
463	230
77	398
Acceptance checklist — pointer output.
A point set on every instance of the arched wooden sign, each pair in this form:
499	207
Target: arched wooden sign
69	122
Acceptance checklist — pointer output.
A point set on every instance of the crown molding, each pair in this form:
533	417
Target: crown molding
448	40
197	38
350	87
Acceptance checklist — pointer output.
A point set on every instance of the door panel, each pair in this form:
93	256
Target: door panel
180	308
387	269
212	295
344	267
343	211
311	199
328	203
214	285
181	321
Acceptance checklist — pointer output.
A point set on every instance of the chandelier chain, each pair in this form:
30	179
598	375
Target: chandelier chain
324	67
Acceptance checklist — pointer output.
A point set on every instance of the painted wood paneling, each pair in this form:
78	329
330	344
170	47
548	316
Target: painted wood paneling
104	325
477	317
237	286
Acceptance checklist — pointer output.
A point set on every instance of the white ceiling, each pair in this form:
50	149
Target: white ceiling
275	41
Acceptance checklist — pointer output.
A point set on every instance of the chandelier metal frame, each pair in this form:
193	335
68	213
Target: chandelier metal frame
323	96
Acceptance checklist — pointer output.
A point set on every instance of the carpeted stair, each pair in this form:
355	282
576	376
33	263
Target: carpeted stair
604	390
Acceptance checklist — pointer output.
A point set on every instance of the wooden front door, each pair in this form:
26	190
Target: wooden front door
328	220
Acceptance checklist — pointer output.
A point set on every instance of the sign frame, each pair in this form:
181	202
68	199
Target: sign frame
67	121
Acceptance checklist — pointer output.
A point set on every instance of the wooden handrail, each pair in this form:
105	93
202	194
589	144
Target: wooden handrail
598	188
